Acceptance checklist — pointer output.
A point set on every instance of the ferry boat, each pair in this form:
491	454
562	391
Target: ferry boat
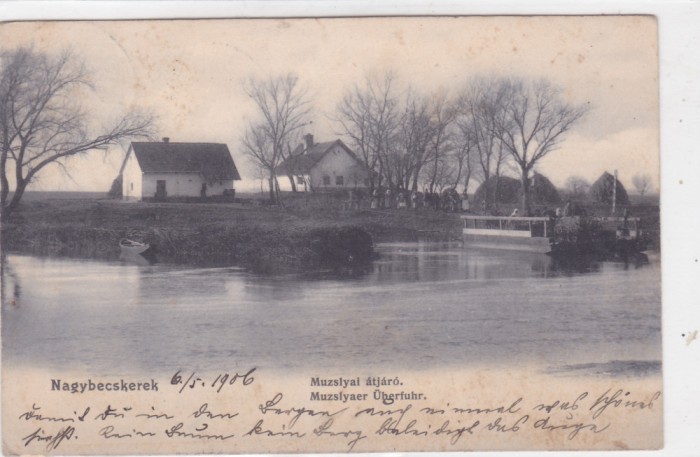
504	232
536	234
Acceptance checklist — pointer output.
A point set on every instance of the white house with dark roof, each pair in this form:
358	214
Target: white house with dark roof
157	170
322	166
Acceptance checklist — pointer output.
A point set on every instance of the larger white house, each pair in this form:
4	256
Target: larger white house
158	170
322	166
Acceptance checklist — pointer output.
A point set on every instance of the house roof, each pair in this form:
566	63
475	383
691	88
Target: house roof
212	160
302	162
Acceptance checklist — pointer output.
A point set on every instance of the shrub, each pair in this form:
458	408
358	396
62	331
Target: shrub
116	190
581	236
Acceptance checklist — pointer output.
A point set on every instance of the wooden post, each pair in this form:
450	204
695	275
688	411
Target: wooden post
614	192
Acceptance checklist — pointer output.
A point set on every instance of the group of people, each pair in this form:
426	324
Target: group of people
386	198
449	200
566	211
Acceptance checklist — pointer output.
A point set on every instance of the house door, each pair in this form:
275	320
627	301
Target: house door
160	189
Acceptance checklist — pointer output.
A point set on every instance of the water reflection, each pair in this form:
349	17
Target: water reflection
8	282
613	368
431	261
439	261
138	259
419	304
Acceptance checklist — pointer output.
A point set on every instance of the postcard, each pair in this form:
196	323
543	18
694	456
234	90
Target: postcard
304	235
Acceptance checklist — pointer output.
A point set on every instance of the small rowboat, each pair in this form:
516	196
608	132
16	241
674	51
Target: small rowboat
132	247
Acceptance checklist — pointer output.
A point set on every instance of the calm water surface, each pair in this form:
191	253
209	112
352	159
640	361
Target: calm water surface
421	305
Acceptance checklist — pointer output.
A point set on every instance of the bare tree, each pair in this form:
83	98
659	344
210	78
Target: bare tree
464	155
284	109
577	187
482	110
443	114
535	121
440	175
42	121
292	168
413	139
368	116
642	183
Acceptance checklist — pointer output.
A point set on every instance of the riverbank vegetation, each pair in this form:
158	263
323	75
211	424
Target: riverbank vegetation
310	231
310	234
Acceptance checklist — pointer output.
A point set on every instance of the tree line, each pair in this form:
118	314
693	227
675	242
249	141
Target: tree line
405	139
412	141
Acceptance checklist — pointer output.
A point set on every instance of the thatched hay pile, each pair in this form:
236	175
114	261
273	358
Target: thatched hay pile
509	191
602	190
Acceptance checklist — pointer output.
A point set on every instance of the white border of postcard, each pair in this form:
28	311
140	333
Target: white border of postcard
680	161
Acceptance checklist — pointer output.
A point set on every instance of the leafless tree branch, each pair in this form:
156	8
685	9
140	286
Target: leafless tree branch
42	121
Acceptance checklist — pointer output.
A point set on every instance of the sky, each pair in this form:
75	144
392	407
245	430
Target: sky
191	74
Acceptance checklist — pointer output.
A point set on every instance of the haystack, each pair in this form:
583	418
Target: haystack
509	190
542	191
602	190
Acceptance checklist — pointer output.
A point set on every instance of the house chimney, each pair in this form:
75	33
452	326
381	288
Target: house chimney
166	139
309	138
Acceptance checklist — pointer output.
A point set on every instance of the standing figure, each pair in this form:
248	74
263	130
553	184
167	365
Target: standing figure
375	199
388	198
567	208
465	201
400	200
351	199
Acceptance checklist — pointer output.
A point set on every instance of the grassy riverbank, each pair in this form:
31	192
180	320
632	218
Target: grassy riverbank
248	234
309	231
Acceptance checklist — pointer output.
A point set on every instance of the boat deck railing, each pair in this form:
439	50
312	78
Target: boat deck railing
526	227
541	227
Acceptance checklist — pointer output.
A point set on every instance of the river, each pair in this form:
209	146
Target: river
418	306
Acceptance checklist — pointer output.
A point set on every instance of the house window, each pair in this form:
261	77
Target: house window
300	180
132	186
326	180
339	180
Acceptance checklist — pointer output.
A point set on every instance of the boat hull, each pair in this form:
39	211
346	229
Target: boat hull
130	247
512	243
134	250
